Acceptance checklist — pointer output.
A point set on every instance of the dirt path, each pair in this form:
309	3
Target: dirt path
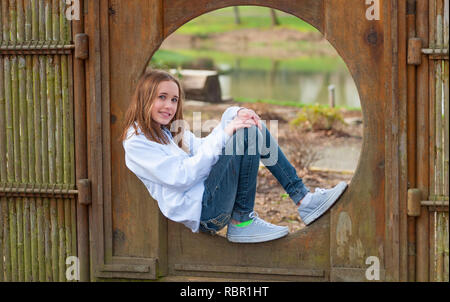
270	202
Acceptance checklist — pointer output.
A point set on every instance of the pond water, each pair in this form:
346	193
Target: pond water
290	85
305	80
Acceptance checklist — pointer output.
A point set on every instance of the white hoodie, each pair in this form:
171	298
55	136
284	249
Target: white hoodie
174	178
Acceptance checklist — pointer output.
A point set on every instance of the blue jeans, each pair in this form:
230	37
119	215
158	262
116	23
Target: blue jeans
230	188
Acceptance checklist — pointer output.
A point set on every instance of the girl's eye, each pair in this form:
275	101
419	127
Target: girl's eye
162	97
175	100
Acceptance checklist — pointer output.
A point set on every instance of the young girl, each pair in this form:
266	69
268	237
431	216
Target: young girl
208	183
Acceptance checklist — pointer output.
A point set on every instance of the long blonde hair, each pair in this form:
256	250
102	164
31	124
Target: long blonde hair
140	107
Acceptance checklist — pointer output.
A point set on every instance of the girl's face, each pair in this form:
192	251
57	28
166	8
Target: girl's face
166	102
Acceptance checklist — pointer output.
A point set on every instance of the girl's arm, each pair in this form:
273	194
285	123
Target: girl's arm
149	160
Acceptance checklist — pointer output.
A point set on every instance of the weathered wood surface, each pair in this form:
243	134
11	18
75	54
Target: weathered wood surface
365	222
36	142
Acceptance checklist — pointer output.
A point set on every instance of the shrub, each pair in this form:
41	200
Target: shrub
316	117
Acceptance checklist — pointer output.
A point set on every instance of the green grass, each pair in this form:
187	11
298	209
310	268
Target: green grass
222	20
166	58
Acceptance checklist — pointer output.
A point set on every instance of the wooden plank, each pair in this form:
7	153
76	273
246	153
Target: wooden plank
402	144
79	153
249	270
152	233
178	12
93	100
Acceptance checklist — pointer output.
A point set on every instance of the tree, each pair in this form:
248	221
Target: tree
237	17
275	21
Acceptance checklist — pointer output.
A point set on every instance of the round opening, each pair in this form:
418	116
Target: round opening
287	72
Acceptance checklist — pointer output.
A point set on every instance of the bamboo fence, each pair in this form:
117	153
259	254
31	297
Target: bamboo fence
439	126
37	210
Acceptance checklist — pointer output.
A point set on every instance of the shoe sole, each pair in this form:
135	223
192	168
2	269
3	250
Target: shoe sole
257	239
326	205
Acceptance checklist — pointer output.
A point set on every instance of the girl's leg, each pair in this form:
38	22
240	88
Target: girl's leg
274	159
248	174
231	185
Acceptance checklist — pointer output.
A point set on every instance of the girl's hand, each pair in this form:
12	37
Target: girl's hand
248	114
238	123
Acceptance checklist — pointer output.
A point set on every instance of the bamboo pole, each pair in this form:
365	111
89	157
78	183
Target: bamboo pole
40	216
37	247
51	119
34	19
16	119
6	239
34	256
432	247
43	118
41	22
47	241
55	20
54	239
62	242
446	101
5	19
20	21
13	238
22	132
30	120
51	162
45	263
438	102
28	8
20	238
2	242
27	277
71	147
3	178
9	267
48	20
59	161
13	20
68	163
1	34
31	172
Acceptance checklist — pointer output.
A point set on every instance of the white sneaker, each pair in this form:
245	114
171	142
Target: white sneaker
316	204
258	231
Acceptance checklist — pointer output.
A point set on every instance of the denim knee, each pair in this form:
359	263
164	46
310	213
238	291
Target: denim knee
248	139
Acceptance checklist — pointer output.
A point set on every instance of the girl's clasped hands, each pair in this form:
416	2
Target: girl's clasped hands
245	118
